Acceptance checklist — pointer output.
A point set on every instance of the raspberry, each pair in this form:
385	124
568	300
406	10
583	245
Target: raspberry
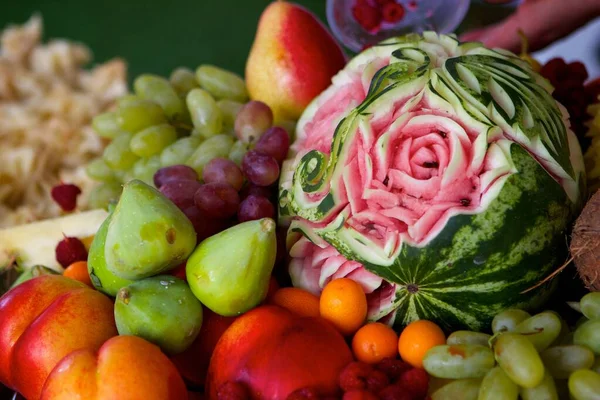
65	195
377	380
233	391
355	375
304	394
70	250
393	368
392	12
367	16
416	381
359	395
396	392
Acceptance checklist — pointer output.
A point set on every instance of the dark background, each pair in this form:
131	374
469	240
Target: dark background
158	35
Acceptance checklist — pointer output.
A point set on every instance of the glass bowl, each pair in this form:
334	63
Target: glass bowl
442	16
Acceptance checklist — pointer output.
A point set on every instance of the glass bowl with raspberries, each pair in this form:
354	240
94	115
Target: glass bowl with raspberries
359	24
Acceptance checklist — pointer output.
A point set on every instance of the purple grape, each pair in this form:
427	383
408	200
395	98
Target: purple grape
250	189
260	169
255	207
181	192
275	142
174	172
252	121
218	200
223	170
204	225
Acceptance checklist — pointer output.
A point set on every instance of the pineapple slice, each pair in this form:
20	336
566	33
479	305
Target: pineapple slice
35	243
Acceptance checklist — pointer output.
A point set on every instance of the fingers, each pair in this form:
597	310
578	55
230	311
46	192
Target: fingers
542	21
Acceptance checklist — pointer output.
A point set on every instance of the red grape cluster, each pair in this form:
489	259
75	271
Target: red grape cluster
568	80
228	194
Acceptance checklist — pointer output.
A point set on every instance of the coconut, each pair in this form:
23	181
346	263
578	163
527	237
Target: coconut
585	243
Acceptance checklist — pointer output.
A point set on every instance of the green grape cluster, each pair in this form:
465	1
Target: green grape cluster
188	119
527	357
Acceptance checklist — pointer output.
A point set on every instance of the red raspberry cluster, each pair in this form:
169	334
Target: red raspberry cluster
370	14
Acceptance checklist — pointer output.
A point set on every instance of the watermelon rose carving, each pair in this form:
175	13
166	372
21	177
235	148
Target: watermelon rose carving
440	175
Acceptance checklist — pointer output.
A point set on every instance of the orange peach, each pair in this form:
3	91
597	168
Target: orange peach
125	368
292	60
44	319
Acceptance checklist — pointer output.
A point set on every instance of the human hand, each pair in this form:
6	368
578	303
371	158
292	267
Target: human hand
542	22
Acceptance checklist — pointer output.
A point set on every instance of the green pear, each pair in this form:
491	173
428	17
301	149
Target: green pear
229	272
103	279
161	309
147	233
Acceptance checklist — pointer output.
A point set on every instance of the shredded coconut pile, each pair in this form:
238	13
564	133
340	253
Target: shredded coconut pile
47	102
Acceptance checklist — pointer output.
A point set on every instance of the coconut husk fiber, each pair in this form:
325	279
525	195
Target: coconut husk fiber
585	243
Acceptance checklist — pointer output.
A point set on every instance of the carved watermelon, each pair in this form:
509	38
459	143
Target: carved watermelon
441	176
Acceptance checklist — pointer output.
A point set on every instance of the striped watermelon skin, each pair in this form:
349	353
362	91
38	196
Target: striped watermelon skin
474	268
493	241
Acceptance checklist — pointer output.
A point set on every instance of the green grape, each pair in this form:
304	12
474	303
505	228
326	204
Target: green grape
546	390
496	385
458	361
216	146
152	140
519	359
135	116
238	151
565	334
590	305
507	320
98	170
462	389
159	90
229	111
542	329
206	116
128	99
179	151
103	194
584	385
596	366
183	80
222	84
117	154
588	334
468	337
106	125
561	361
145	169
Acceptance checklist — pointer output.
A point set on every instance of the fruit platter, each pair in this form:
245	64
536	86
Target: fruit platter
416	219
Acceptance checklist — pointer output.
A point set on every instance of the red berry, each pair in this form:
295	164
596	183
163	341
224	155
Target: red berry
393	12
393	368
359	395
355	375
367	16
416	380
70	250
233	391
303	394
395	392
578	71
377	380
65	195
